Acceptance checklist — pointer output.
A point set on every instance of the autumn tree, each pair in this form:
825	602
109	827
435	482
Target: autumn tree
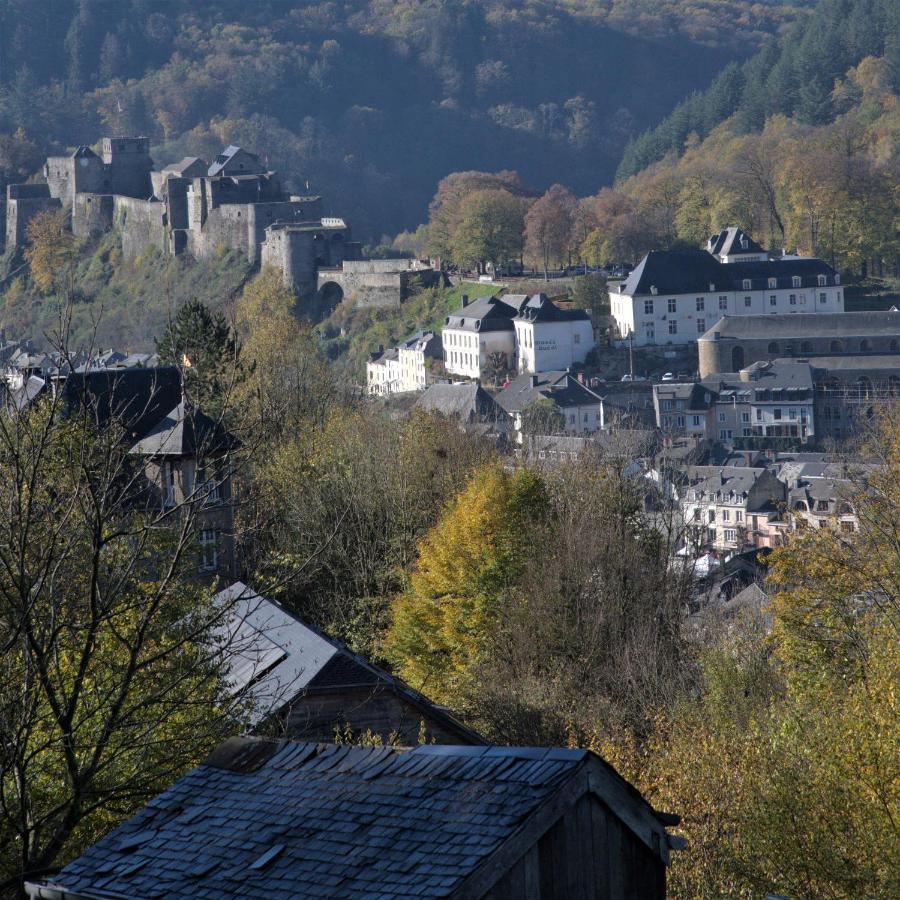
542	417
489	230
549	226
110	671
445	209
469	565
591	293
52	252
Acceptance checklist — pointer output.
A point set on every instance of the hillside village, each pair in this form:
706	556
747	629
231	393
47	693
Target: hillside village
547	549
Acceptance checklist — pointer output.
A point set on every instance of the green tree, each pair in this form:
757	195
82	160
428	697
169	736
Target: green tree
591	293
109	679
490	229
203	345
542	417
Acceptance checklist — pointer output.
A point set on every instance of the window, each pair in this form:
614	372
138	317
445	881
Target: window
822	281
696	513
673	305
726	515
701	326
205	483
837	280
730	535
673	326
773	300
792	299
571	418
696	421
773	282
585	418
712	516
680	421
746	432
667	405
745	417
823	297
821	506
209	550
739	516
795	281
748	302
648	307
169	483
746	284
650	332
721	417
723	303
776	415
576	338
723	435
700	304
792	414
759	415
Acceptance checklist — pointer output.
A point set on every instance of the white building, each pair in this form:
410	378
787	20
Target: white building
383	375
481	335
405	368
674	296
549	338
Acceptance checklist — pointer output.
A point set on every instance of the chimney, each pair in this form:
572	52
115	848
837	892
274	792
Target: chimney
465	300
534	381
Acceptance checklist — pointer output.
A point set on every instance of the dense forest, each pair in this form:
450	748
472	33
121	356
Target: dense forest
371	102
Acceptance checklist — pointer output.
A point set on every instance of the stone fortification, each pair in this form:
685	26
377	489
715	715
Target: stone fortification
198	208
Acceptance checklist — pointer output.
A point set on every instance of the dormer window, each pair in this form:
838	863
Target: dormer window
822	281
773	282
837	278
795	281
653	289
746	284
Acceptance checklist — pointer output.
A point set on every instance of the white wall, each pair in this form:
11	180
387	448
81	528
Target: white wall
552	346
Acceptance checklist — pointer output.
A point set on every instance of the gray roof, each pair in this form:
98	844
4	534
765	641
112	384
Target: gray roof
733	241
562	388
220	163
189	162
805	325
861	364
184	431
280	819
486	314
672	272
540	308
273	657
465	400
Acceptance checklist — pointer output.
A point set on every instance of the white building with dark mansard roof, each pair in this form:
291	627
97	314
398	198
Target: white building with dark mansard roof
674	296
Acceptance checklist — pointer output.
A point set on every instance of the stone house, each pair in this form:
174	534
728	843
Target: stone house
549	338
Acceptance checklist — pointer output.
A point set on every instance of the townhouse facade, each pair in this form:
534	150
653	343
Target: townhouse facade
409	367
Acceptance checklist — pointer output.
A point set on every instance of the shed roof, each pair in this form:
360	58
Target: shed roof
287	820
274	657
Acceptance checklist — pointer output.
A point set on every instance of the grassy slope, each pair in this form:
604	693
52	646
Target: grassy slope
120	303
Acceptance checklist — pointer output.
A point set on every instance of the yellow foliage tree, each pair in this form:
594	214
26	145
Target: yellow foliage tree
51	253
468	564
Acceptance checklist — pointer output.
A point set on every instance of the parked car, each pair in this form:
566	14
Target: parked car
633	378
668	376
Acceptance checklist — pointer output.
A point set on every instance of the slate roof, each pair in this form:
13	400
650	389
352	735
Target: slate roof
808	325
487	314
137	398
188	163
184	431
673	272
466	400
220	163
274	657
561	387
733	241
294	820
540	308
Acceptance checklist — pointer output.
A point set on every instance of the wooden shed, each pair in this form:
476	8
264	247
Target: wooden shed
292	820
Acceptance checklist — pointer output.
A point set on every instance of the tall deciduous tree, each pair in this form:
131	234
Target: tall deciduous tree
468	566
549	226
51	252
490	228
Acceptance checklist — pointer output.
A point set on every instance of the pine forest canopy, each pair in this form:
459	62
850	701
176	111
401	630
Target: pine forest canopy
372	102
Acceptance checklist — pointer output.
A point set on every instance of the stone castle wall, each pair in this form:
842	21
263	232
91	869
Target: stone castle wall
23	203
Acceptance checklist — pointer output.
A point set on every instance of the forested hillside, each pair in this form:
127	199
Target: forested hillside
371	102
793	77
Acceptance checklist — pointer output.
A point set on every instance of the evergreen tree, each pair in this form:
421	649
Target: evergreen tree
203	345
